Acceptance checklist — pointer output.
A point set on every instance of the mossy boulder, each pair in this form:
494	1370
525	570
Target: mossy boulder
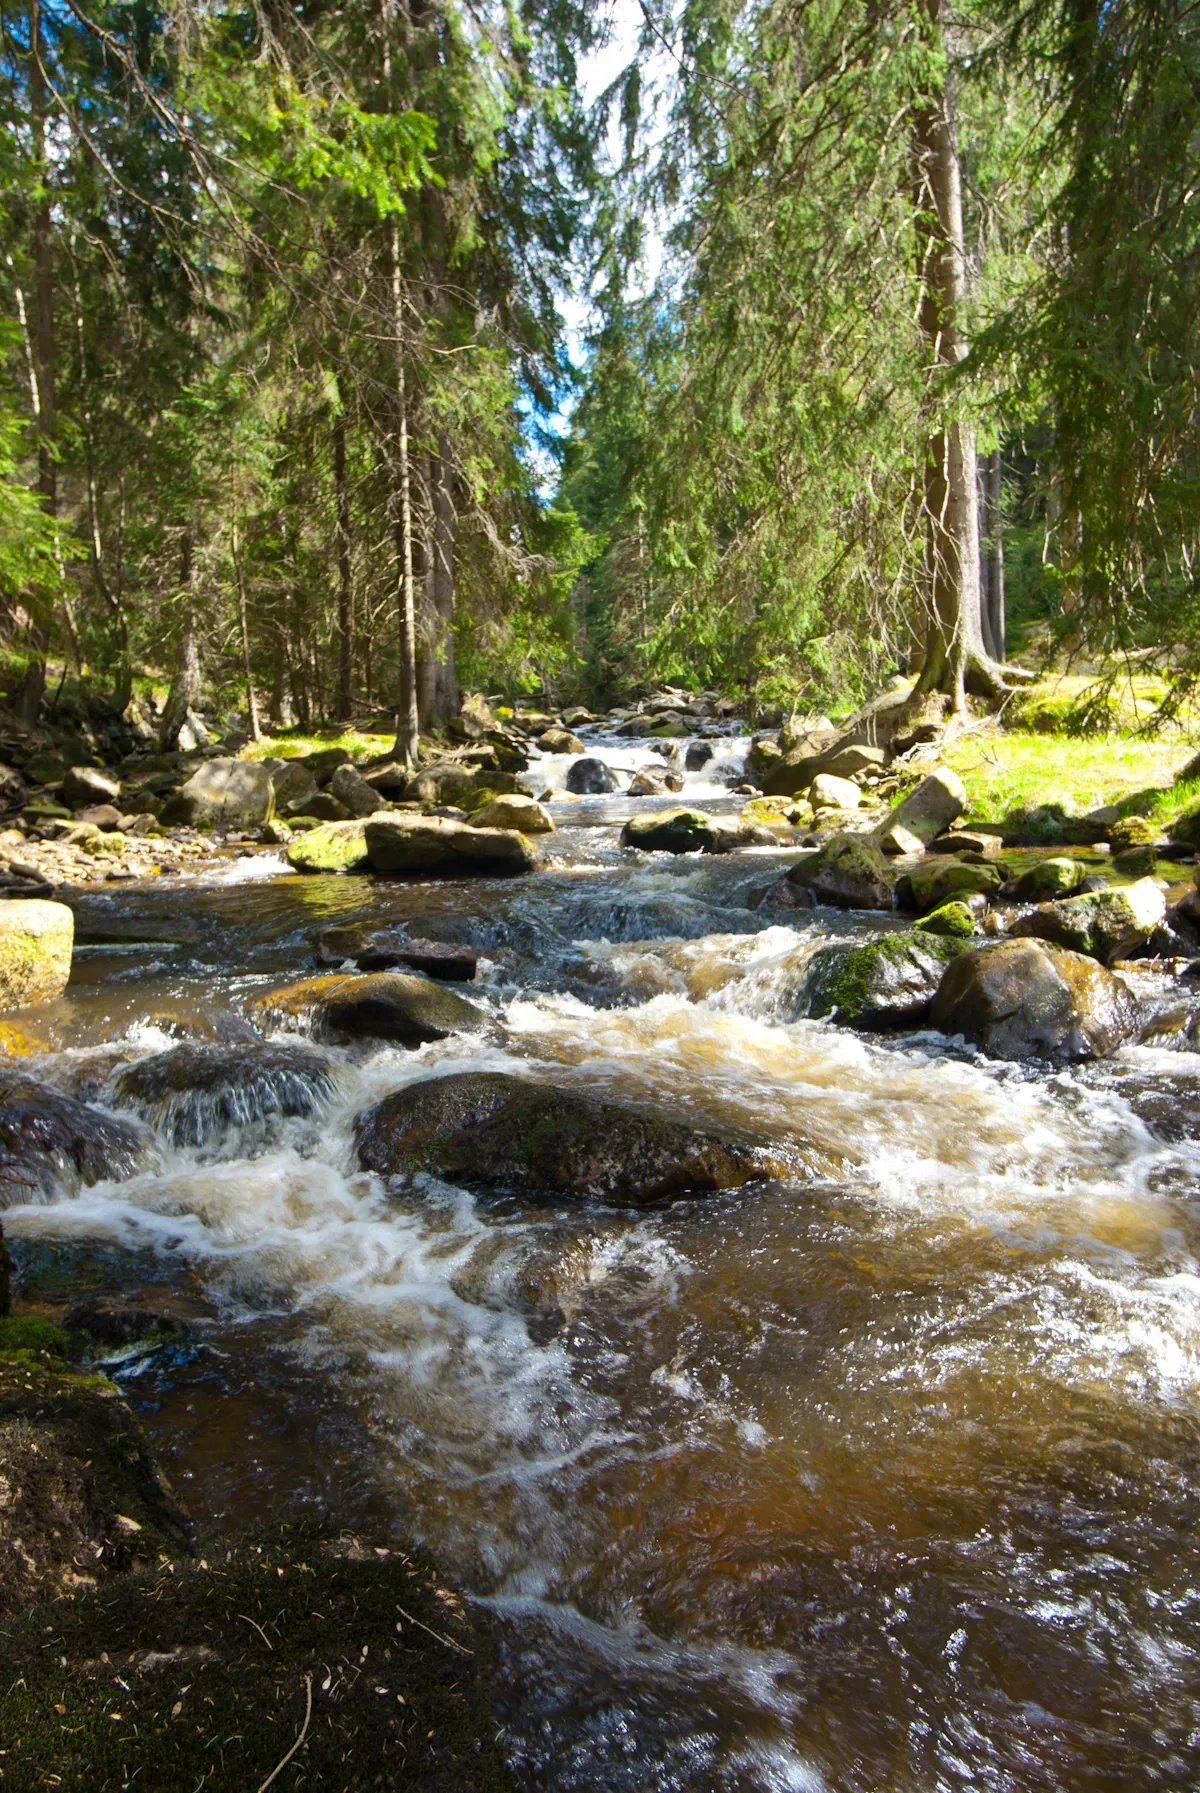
492	1129
849	872
197	1093
881	984
329	847
937	880
1024	999
1136	862
677	831
36	941
1048	880
953	921
1132	831
1105	924
385	1005
49	1141
1186	828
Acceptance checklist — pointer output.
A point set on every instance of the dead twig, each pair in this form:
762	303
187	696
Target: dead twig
300	1739
448	1641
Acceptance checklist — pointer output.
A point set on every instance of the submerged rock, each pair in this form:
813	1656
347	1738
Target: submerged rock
386	1005
1024	999
195	1094
849	872
881	984
1106	924
435	846
36	941
591	777
492	1129
48	1140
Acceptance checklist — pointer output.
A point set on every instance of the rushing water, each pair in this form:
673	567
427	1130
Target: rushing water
876	1484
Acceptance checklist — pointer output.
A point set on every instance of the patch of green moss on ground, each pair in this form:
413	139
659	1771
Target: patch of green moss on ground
294	745
29	1332
194	1674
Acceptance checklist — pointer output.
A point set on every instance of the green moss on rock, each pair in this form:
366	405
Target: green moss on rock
29	1332
953	921
331	847
883	983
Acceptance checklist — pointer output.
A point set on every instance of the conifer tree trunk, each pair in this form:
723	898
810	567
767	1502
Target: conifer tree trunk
995	555
952	632
244	627
184	694
33	687
345	573
408	725
443	696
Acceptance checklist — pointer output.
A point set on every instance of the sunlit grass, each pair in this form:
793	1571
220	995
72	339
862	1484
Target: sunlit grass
294	745
1010	770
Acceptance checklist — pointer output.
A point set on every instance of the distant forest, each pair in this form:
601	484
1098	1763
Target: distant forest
292	423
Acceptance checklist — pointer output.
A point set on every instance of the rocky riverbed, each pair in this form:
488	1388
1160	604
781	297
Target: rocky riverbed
748	1252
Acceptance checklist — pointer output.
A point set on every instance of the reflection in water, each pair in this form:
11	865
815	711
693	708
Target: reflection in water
889	1483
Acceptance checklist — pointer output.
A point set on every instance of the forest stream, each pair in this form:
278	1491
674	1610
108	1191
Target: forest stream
881	1480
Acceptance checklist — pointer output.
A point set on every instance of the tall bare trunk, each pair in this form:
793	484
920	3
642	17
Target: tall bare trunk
345	573
33	688
408	726
953	630
441	584
244	627
184	694
998	621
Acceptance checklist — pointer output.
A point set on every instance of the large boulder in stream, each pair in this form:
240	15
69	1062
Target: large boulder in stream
881	984
691	831
223	794
400	845
1106	924
1023	999
49	1141
525	814
385	1005
196	1094
36	942
848	872
938	879
591	778
496	1130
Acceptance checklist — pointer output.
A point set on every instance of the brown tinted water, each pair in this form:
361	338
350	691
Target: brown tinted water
877	1482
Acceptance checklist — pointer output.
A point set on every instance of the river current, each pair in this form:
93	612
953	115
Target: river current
882	1481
